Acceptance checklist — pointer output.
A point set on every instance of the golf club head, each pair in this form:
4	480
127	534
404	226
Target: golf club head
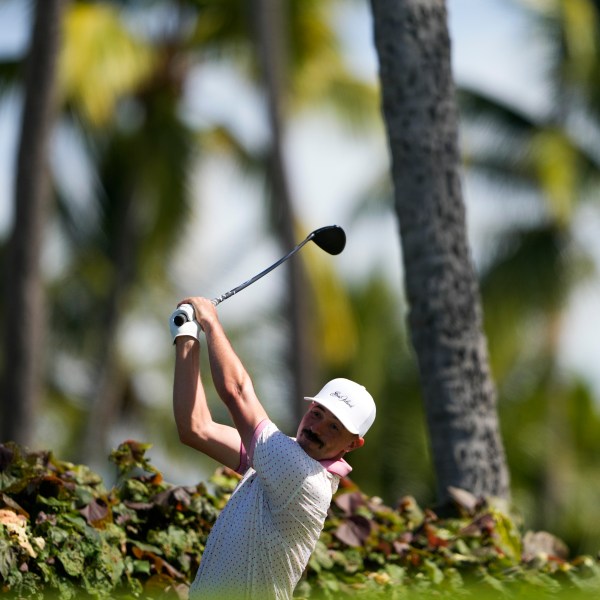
332	239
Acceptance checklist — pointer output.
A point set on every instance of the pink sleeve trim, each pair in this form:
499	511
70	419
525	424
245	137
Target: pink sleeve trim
257	432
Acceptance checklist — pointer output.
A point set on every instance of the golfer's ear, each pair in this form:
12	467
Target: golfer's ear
357	442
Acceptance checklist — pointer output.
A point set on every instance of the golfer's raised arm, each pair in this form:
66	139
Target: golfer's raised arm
231	380
192	415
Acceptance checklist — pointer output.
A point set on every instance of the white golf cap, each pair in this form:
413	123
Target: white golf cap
349	402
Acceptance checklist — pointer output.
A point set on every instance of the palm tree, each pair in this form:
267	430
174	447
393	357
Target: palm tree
144	200
552	164
24	323
445	315
143	152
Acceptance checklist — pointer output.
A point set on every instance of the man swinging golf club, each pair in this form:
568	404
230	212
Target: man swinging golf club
263	538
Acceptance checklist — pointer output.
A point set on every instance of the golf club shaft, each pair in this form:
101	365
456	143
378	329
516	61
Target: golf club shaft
239	288
180	317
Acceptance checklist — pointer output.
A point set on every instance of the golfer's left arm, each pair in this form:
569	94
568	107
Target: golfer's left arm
231	380
193	419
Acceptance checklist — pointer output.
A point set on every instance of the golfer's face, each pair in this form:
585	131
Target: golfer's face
322	436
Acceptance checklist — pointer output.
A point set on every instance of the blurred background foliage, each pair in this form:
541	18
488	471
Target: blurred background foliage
127	211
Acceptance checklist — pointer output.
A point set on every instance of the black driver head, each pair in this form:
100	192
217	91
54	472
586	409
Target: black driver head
332	239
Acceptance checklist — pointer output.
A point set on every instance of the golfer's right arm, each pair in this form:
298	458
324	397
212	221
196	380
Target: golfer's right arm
192	415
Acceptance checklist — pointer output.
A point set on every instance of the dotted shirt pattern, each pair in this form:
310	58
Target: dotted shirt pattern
263	538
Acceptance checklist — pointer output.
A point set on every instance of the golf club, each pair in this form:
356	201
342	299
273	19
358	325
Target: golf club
331	238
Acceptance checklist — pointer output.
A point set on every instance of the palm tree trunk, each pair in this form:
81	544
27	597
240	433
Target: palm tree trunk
445	316
107	393
270	20
24	322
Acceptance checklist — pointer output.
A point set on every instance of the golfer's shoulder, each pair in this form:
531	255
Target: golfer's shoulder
272	445
279	455
275	440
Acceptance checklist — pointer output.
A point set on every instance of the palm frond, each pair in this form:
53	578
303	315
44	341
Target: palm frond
100	61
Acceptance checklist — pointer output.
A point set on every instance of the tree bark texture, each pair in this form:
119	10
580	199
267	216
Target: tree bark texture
445	318
24	322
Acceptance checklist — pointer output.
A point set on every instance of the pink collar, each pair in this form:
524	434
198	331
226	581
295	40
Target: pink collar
337	467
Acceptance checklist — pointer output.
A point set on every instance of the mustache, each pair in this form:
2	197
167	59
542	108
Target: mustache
312	437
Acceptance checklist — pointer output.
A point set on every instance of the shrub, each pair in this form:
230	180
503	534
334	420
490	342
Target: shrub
63	535
63	532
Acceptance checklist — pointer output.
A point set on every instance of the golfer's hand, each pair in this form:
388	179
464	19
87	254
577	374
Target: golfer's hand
204	310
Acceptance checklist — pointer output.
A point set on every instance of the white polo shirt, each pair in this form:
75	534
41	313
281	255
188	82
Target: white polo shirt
261	542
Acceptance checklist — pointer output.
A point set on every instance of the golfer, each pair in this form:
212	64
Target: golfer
263	538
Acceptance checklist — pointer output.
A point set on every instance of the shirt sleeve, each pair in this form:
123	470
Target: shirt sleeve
283	466
244	460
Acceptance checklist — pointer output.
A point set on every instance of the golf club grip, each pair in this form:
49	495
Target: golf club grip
182	314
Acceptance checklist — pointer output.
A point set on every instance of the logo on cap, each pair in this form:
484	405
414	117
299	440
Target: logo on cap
343	398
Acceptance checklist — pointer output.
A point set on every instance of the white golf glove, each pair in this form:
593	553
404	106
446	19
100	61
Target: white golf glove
182	322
